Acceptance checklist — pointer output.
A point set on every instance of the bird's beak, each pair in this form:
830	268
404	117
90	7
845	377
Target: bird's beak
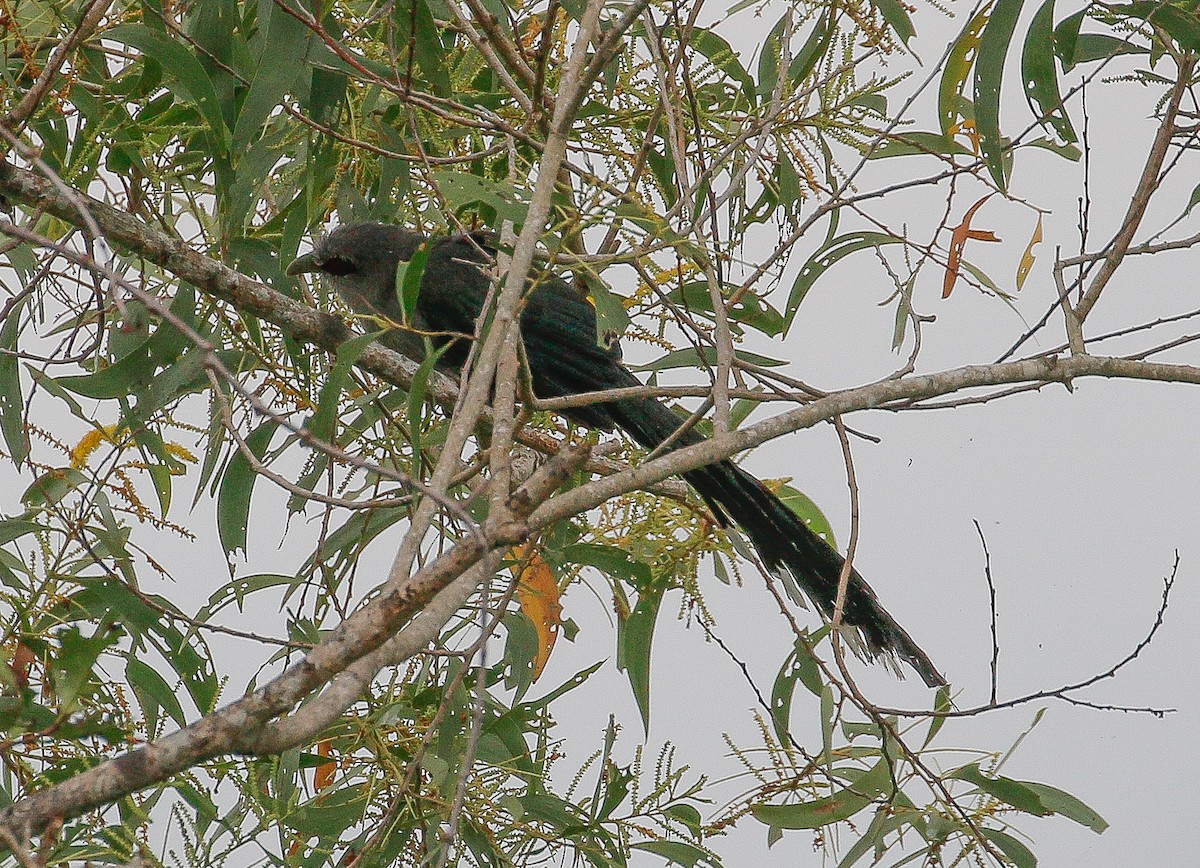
303	265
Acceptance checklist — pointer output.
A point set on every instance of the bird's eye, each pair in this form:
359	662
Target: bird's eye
337	266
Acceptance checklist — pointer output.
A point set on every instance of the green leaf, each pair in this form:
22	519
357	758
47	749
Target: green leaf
769	56
957	69
687	815
1065	36
239	590
148	684
52	486
1059	802
461	189
12	403
1040	77
896	15
678	853
705	357
1007	790
416	402
941	703
285	47
1180	21
237	485
185	70
821	261
842	805
408	283
1091	47
72	666
989	76
321	423
907	144
801	504
721	55
1011	847
611	316
426	41
814	48
570	684
610	560
636	636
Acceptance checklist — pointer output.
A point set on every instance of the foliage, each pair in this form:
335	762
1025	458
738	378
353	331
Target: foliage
236	130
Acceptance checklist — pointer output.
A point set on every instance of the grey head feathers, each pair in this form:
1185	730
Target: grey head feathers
359	260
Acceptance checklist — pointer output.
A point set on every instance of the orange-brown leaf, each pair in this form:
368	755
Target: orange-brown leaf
537	592
22	662
958	240
323	774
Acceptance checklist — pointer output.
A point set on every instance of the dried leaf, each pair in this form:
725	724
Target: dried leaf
22	661
323	774
1027	258
958	240
537	592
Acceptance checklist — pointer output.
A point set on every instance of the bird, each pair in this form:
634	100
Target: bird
564	357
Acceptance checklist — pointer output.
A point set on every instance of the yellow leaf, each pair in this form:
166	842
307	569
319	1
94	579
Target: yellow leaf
537	592
1027	258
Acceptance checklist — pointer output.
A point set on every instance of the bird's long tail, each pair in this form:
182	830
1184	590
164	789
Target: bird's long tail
781	538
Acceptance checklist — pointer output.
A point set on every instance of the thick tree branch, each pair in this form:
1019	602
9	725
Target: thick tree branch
239	726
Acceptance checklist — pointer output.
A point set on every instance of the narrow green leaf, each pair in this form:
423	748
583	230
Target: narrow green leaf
687	815
636	637
801	504
1060	802
782	692
12	403
678	853
1007	790
896	15
768	58
824	259
1065	36
1039	75
1091	47
827	712
426	40
814	48
239	590
989	76
1012	848
183	68
237	485
941	702
907	144
52	486
147	683
416	402
322	422
842	805
706	357
1179	20
408	284
610	560
285	47
957	69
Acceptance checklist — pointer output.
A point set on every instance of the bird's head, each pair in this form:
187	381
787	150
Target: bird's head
360	259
